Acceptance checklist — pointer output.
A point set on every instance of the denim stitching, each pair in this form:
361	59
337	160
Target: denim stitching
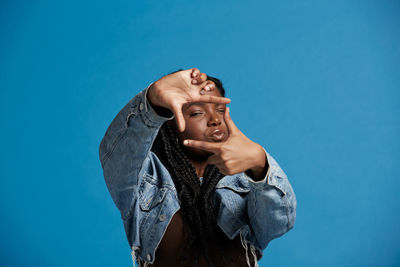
113	145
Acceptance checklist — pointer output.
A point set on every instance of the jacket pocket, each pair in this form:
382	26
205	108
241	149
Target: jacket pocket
237	183
231	193
150	193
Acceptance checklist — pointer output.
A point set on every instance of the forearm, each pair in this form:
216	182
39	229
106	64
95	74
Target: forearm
152	100
260	167
135	116
125	146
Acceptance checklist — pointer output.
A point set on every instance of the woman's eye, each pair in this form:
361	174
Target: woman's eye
194	114
222	110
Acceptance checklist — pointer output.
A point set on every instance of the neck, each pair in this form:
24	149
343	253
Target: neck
200	165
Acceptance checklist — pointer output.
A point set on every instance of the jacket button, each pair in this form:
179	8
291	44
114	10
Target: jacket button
141	106
148	257
162	217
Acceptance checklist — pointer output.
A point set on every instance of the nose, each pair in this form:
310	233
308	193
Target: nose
214	120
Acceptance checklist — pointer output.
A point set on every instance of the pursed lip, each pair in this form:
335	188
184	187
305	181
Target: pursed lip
217	135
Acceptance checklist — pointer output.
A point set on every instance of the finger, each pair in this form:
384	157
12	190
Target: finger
212	99
201	77
207	86
206	146
229	122
214	159
180	120
195	72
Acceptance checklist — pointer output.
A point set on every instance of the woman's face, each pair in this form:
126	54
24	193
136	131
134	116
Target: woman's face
203	122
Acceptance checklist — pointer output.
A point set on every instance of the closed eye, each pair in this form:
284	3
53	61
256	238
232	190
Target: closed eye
195	113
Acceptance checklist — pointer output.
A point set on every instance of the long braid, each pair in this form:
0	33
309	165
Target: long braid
196	199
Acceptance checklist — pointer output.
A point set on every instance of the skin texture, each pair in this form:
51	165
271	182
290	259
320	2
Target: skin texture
199	110
202	121
181	88
234	155
205	122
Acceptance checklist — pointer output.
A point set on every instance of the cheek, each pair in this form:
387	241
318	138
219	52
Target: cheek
194	131
224	124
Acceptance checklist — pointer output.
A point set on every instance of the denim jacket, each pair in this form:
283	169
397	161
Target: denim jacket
143	190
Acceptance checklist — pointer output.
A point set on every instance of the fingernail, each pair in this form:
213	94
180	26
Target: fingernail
207	88
185	142
194	81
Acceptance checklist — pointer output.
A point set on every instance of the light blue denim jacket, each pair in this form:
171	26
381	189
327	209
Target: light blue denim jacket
143	190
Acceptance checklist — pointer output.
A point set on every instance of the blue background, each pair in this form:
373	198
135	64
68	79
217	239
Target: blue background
315	82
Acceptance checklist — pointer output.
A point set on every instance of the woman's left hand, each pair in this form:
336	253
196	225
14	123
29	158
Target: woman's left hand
237	154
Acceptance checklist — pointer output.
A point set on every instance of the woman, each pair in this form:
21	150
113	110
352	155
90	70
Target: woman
192	189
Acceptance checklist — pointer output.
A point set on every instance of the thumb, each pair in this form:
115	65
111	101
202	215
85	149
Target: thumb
180	120
229	122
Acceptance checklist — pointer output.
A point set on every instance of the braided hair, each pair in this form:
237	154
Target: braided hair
196	199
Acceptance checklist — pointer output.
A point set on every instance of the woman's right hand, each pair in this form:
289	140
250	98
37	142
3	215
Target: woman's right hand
181	88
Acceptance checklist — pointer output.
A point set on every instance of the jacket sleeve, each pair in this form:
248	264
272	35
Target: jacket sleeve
124	148
271	205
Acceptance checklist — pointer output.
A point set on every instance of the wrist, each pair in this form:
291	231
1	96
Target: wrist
152	99
151	95
259	165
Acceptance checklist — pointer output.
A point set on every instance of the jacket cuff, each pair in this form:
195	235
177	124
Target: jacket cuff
272	178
